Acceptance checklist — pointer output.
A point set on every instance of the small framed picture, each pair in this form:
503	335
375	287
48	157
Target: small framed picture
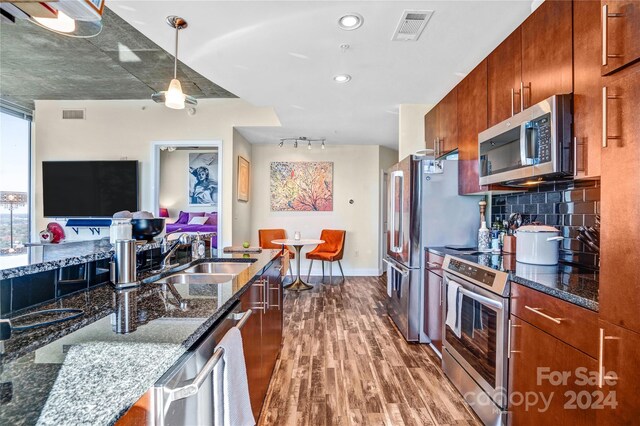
244	174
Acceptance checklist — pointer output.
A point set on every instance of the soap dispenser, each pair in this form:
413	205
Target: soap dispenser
198	248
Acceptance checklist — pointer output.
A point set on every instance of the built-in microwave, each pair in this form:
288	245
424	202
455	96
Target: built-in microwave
532	146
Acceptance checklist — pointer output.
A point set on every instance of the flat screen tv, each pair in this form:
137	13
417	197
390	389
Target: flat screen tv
89	188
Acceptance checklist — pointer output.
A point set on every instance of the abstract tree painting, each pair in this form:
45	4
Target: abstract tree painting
302	186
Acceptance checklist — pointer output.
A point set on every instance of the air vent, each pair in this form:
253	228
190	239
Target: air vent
73	114
411	25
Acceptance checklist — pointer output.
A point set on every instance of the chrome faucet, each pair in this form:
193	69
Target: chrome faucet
168	249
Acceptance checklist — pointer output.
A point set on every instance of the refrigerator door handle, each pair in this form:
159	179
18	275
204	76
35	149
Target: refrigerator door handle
397	201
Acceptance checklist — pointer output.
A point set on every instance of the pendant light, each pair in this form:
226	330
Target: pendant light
174	97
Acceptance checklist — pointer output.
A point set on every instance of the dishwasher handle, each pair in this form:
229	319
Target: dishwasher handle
192	387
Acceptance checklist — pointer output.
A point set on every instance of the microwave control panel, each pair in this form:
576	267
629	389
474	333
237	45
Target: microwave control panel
543	125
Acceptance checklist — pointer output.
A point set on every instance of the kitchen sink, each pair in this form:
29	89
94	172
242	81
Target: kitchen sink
195	278
233	268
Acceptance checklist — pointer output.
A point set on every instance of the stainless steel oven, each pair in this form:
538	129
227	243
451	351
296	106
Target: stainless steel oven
533	145
475	343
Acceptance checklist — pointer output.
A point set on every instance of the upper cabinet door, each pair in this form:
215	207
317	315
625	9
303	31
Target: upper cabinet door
448	122
620	34
547	50
620	200
503	79
431	128
587	88
472	119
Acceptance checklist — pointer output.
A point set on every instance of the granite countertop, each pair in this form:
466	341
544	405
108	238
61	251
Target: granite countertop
87	370
46	257
566	282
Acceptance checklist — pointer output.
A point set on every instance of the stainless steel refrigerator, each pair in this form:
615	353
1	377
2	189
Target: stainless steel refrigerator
424	210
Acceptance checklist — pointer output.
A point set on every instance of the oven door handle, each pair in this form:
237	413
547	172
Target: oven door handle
482	299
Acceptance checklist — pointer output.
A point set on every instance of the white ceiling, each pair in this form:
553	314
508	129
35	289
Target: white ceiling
285	53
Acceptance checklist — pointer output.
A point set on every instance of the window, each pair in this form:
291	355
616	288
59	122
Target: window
15	172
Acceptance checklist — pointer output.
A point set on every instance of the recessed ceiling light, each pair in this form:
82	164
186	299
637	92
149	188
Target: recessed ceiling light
342	78
350	21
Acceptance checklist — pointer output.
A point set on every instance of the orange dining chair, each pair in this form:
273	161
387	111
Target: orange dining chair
265	236
330	251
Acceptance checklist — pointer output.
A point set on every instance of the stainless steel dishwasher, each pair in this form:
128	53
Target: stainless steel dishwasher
186	394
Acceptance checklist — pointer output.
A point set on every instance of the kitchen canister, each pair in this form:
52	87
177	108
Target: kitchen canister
538	244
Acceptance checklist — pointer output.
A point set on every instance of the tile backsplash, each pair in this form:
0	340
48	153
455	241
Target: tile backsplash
565	205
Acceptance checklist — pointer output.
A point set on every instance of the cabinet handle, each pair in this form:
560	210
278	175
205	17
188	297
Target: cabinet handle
521	96
542	314
601	374
575	157
435	147
513	95
605	130
440	294
434	265
605	30
509	350
605	16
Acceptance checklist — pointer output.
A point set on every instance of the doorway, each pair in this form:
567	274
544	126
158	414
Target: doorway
187	178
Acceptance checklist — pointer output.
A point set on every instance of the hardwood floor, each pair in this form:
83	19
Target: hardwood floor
344	363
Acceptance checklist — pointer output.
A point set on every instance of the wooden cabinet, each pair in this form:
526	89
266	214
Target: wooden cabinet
431	128
547	50
535	359
252	343
620	34
533	63
472	119
620	375
572	324
433	300
272	321
262	333
504	72
448	122
620	201
441	125
587	88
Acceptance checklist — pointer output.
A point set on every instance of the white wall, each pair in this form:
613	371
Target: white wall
115	130
174	181
241	209
356	175
411	128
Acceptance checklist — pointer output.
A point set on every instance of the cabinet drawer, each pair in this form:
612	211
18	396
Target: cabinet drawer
434	263
572	324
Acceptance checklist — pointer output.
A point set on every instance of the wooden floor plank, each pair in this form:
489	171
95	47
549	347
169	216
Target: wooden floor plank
343	362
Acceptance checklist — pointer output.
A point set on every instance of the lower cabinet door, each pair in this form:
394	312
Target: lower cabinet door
620	375
272	321
550	382
252	344
433	312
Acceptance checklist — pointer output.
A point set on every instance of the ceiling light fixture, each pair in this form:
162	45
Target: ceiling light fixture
302	139
342	78
73	18
350	21
174	97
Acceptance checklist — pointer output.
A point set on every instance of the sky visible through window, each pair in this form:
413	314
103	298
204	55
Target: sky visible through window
14	175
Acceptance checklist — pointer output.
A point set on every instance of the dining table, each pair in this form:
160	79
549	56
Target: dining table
298	284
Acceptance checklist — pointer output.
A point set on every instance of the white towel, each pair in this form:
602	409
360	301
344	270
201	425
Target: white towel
454	307
236	404
389	286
